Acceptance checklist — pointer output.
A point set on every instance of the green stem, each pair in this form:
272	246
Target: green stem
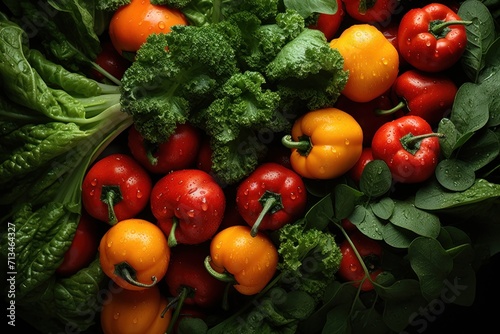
110	202
225	276
179	301
397	107
125	271
411	143
172	241
437	29
303	145
217	11
269	203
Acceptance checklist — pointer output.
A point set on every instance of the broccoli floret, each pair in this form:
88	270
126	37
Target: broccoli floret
310	258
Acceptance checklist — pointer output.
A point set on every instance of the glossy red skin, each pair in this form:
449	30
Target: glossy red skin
204	158
428	95
192	197
119	170
350	268
231	215
364	113
83	248
280	180
111	61
348	225
381	11
423	50
356	170
187	270
178	152
406	167
390	31
329	24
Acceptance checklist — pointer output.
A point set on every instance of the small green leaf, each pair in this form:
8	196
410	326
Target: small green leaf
431	263
408	216
320	214
358	215
454	174
337	320
370	226
483	148
376	179
480	35
400	290
384	208
307	7
432	196
470	110
346	199
448	142
397	237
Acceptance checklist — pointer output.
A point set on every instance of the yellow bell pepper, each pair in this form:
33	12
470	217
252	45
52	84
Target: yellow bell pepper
325	143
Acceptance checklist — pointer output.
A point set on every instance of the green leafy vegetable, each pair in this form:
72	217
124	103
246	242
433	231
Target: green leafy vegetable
230	79
56	122
311	258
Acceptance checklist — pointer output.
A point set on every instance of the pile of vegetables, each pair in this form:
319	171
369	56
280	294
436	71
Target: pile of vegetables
240	167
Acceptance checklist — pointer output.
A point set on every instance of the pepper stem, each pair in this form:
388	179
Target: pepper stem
178	301
303	146
411	143
111	195
225	276
271	199
172	241
439	28
151	148
126	272
397	107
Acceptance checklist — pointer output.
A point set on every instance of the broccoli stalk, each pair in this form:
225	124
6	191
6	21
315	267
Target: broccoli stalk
310	258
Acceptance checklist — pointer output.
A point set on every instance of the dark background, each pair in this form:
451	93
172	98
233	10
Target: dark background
481	316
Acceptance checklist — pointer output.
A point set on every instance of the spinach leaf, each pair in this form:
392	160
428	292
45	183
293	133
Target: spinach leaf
432	196
34	145
480	35
42	238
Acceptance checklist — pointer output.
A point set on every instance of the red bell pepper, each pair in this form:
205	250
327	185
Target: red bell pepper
83	248
409	148
432	38
371	11
178	152
361	258
115	188
189	282
189	206
270	197
428	95
356	170
329	24
365	114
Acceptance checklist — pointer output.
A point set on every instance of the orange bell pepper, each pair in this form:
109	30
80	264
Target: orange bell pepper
325	143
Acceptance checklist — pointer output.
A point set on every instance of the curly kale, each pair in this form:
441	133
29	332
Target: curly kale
234	79
310	258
